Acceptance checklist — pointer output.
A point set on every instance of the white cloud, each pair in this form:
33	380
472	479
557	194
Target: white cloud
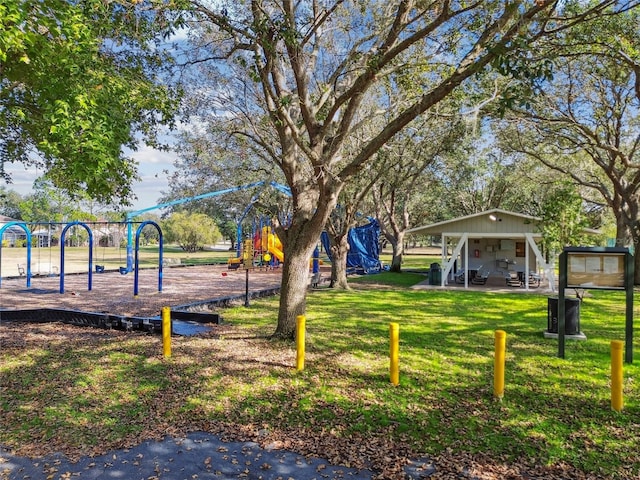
152	167
146	156
180	35
22	178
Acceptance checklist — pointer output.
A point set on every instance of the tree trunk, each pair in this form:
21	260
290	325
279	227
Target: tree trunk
396	259
293	291
625	236
398	250
339	252
299	241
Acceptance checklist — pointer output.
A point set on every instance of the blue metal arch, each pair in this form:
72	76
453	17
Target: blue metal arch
62	235
28	232
137	260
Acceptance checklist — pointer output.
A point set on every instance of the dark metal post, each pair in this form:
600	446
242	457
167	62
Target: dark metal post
246	288
629	272
562	286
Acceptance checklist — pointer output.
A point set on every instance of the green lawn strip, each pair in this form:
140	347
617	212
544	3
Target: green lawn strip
413	262
389	278
554	411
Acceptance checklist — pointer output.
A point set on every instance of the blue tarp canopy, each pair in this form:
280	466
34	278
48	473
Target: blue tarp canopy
364	247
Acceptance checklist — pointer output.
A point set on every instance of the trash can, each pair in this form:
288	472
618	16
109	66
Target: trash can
435	274
571	315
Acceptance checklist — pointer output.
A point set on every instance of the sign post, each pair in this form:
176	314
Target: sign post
600	268
248	263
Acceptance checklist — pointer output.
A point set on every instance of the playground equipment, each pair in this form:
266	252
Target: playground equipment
26	270
271	243
18	226
62	242
263	248
109	234
137	264
129	216
268	245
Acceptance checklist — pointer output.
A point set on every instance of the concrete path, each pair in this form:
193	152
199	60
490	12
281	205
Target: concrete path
198	456
195	457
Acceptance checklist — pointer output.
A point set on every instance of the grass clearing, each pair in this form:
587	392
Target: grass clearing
83	390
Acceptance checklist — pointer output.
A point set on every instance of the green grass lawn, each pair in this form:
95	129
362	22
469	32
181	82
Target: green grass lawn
413	262
555	412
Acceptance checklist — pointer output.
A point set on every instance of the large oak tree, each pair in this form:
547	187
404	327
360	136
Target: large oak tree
296	77
585	126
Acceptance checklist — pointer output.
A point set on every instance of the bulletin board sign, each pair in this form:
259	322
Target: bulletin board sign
596	270
608	268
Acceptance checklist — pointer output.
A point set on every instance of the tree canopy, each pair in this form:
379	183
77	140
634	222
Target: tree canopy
585	126
78	82
192	231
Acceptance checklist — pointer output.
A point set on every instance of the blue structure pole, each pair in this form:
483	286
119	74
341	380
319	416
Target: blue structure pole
137	258
316	259
129	246
62	239
239	240
28	233
191	199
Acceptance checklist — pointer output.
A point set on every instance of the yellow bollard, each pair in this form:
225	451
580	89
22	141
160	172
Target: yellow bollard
300	341
166	331
498	365
394	352
616	375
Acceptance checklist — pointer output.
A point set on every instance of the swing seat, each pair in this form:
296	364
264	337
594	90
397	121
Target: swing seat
99	268
124	270
44	269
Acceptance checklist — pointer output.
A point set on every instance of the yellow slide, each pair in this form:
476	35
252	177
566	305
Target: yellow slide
275	247
272	244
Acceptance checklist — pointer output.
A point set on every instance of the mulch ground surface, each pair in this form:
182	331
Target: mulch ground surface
113	293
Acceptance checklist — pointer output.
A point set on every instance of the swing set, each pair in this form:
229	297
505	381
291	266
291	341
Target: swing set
82	235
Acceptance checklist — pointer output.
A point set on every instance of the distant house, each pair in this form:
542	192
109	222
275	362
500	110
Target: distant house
12	235
493	242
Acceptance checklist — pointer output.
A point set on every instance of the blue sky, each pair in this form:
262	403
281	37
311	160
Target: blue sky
149	189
